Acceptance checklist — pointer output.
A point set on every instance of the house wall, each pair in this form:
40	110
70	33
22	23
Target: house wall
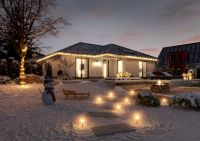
95	67
151	66
68	64
131	66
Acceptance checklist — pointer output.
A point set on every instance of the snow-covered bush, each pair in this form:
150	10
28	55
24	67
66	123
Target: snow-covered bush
3	67
194	84
147	99
32	78
30	68
4	79
186	100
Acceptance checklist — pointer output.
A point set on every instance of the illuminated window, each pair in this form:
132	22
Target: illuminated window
142	69
105	69
81	68
120	66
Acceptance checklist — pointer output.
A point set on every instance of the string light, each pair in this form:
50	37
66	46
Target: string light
22	69
96	56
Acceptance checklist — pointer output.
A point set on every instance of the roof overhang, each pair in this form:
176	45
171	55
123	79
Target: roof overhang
97	56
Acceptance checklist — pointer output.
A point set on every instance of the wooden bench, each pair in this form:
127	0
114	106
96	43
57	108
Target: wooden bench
74	95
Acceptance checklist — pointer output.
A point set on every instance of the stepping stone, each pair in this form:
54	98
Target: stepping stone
112	129
102	114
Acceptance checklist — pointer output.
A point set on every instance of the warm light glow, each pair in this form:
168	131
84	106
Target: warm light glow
118	107
132	92
97	64
78	67
111	95
159	83
82	121
120	66
99	100
137	118
22	69
105	70
126	100
164	101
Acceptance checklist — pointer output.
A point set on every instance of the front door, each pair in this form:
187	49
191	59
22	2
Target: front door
81	68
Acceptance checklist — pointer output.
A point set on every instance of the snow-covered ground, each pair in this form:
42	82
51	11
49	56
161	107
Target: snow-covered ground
23	117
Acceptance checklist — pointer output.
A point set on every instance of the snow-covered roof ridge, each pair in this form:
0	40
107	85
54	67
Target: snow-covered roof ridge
93	49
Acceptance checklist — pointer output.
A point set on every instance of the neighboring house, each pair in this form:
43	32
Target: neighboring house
84	60
181	57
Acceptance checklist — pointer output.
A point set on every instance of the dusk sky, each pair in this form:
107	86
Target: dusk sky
142	25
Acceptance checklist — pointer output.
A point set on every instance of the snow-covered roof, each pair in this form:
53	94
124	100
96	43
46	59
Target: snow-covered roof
92	49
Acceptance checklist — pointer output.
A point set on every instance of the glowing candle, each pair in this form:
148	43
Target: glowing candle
110	95
126	100
118	107
137	118
82	121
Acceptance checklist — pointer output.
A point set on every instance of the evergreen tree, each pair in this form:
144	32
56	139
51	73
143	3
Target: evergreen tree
3	67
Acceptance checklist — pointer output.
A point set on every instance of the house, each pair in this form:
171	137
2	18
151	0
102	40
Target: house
83	60
179	58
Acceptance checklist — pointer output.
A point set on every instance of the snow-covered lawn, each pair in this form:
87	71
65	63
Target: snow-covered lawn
23	117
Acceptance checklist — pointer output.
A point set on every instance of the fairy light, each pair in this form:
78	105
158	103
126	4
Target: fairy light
96	56
164	101
22	69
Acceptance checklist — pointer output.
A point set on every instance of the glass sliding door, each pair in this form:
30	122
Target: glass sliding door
142	69
119	66
82	68
105	69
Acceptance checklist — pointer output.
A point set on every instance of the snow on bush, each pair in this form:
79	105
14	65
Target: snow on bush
4	79
147	99
186	100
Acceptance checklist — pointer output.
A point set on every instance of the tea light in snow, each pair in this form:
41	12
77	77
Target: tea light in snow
137	117
110	95
164	101
99	100
82	121
118	107
132	92
126	100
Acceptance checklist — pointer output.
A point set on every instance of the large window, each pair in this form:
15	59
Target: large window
81	68
119	66
142	69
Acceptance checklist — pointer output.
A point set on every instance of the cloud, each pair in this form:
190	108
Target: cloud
151	51
181	10
195	38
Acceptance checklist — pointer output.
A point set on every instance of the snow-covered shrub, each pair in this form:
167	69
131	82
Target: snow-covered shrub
186	101
3	67
147	99
65	76
194	84
33	78
4	79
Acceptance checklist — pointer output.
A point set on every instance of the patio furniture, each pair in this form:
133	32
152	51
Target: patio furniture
75	95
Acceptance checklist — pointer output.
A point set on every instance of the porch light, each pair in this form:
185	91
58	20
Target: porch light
97	64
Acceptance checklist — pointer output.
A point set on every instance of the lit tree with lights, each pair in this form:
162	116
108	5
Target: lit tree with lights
23	23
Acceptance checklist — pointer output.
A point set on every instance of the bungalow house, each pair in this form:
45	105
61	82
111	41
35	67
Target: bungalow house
83	60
